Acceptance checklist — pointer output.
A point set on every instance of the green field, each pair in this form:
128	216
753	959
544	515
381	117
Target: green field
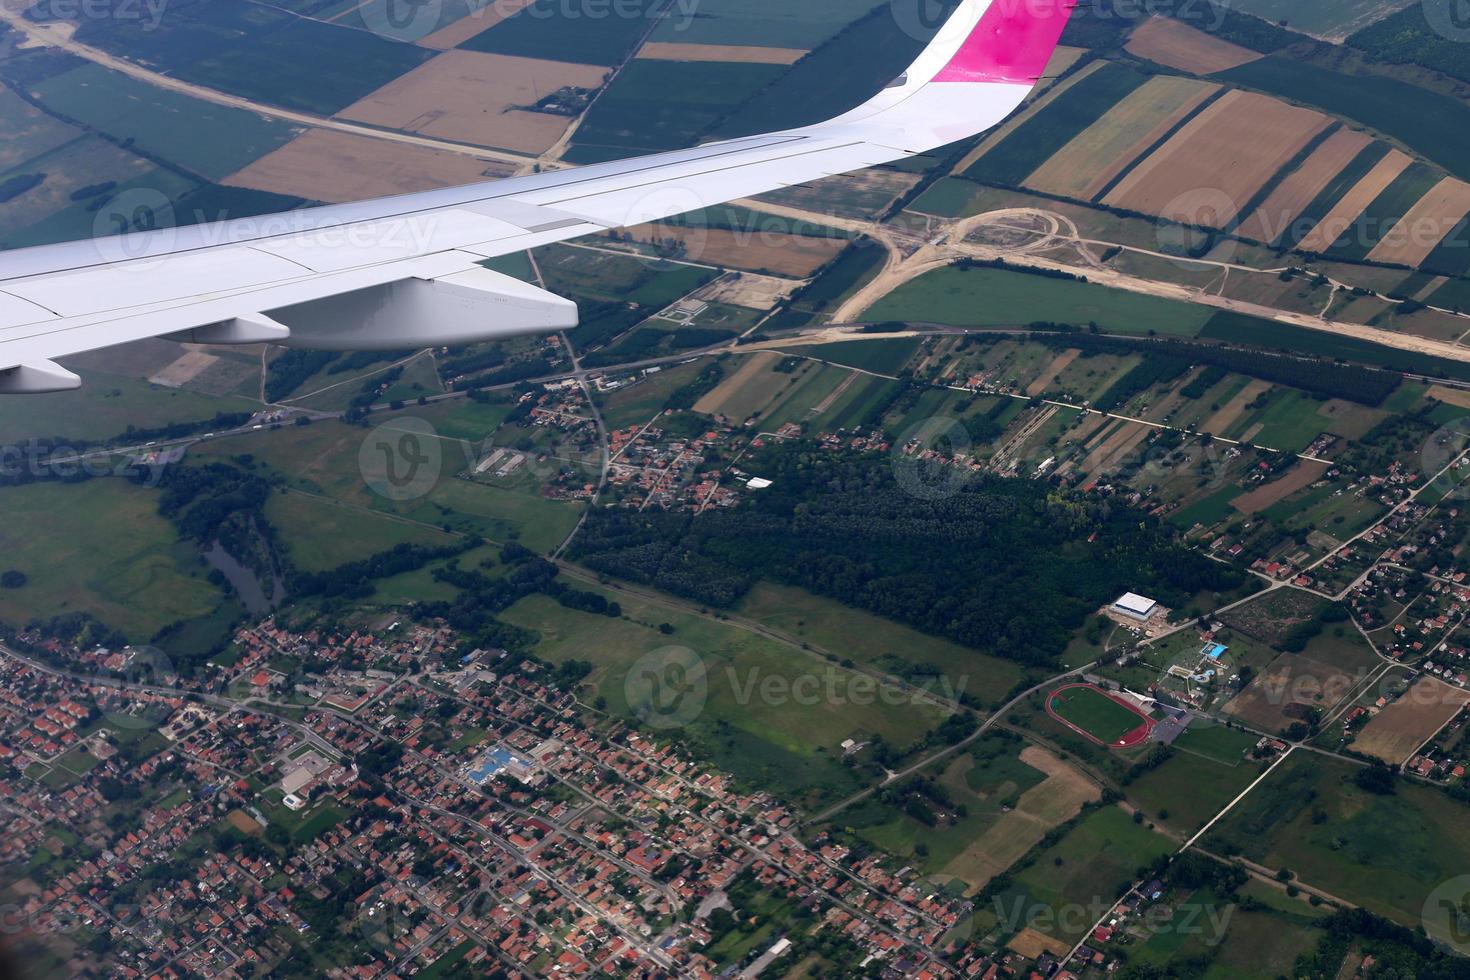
849	68
319	533
1089	867
950	197
987	780
324	459
258	52
772	23
1095	713
868	639
1190	788
1239	329
1052	127
886	357
788	744
99	547
1385	853
568	32
210	140
985	297
665	105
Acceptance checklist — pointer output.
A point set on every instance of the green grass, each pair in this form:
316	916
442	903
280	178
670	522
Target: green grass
99	547
1385	853
1094	712
949	197
105	407
868	639
983	297
1208	511
1271	335
773	23
832	79
780	742
1188	790
1091	865
663	105
563	32
320	534
1012	160
210	140
879	356
324	458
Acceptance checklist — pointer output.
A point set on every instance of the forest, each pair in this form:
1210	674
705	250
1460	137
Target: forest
1010	567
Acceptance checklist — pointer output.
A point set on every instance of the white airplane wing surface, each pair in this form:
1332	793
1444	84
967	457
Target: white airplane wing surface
405	271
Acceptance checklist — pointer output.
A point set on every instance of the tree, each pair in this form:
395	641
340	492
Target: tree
13	579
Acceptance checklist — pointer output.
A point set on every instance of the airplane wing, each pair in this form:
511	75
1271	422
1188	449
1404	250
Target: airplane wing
405	271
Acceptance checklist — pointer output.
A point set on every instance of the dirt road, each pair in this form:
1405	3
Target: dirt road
58	35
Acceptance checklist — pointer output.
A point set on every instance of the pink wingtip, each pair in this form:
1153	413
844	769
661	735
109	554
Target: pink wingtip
1012	42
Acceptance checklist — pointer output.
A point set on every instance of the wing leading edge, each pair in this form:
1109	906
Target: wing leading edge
405	271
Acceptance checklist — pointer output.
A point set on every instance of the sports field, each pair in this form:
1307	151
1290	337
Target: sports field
1098	715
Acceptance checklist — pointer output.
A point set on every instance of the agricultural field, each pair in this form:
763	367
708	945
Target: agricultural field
1011	801
546	29
258	52
1331	20
1011	156
662	105
1398	730
1439	129
478	98
210	140
865	194
984	297
836	76
115	397
762	22
324	459
1207	770
100	547
331	167
1375	223
1233	147
1298	687
771	741
1169	41
1089	867
1101	153
772	252
319	533
1383	852
1425	225
876	642
1303	188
